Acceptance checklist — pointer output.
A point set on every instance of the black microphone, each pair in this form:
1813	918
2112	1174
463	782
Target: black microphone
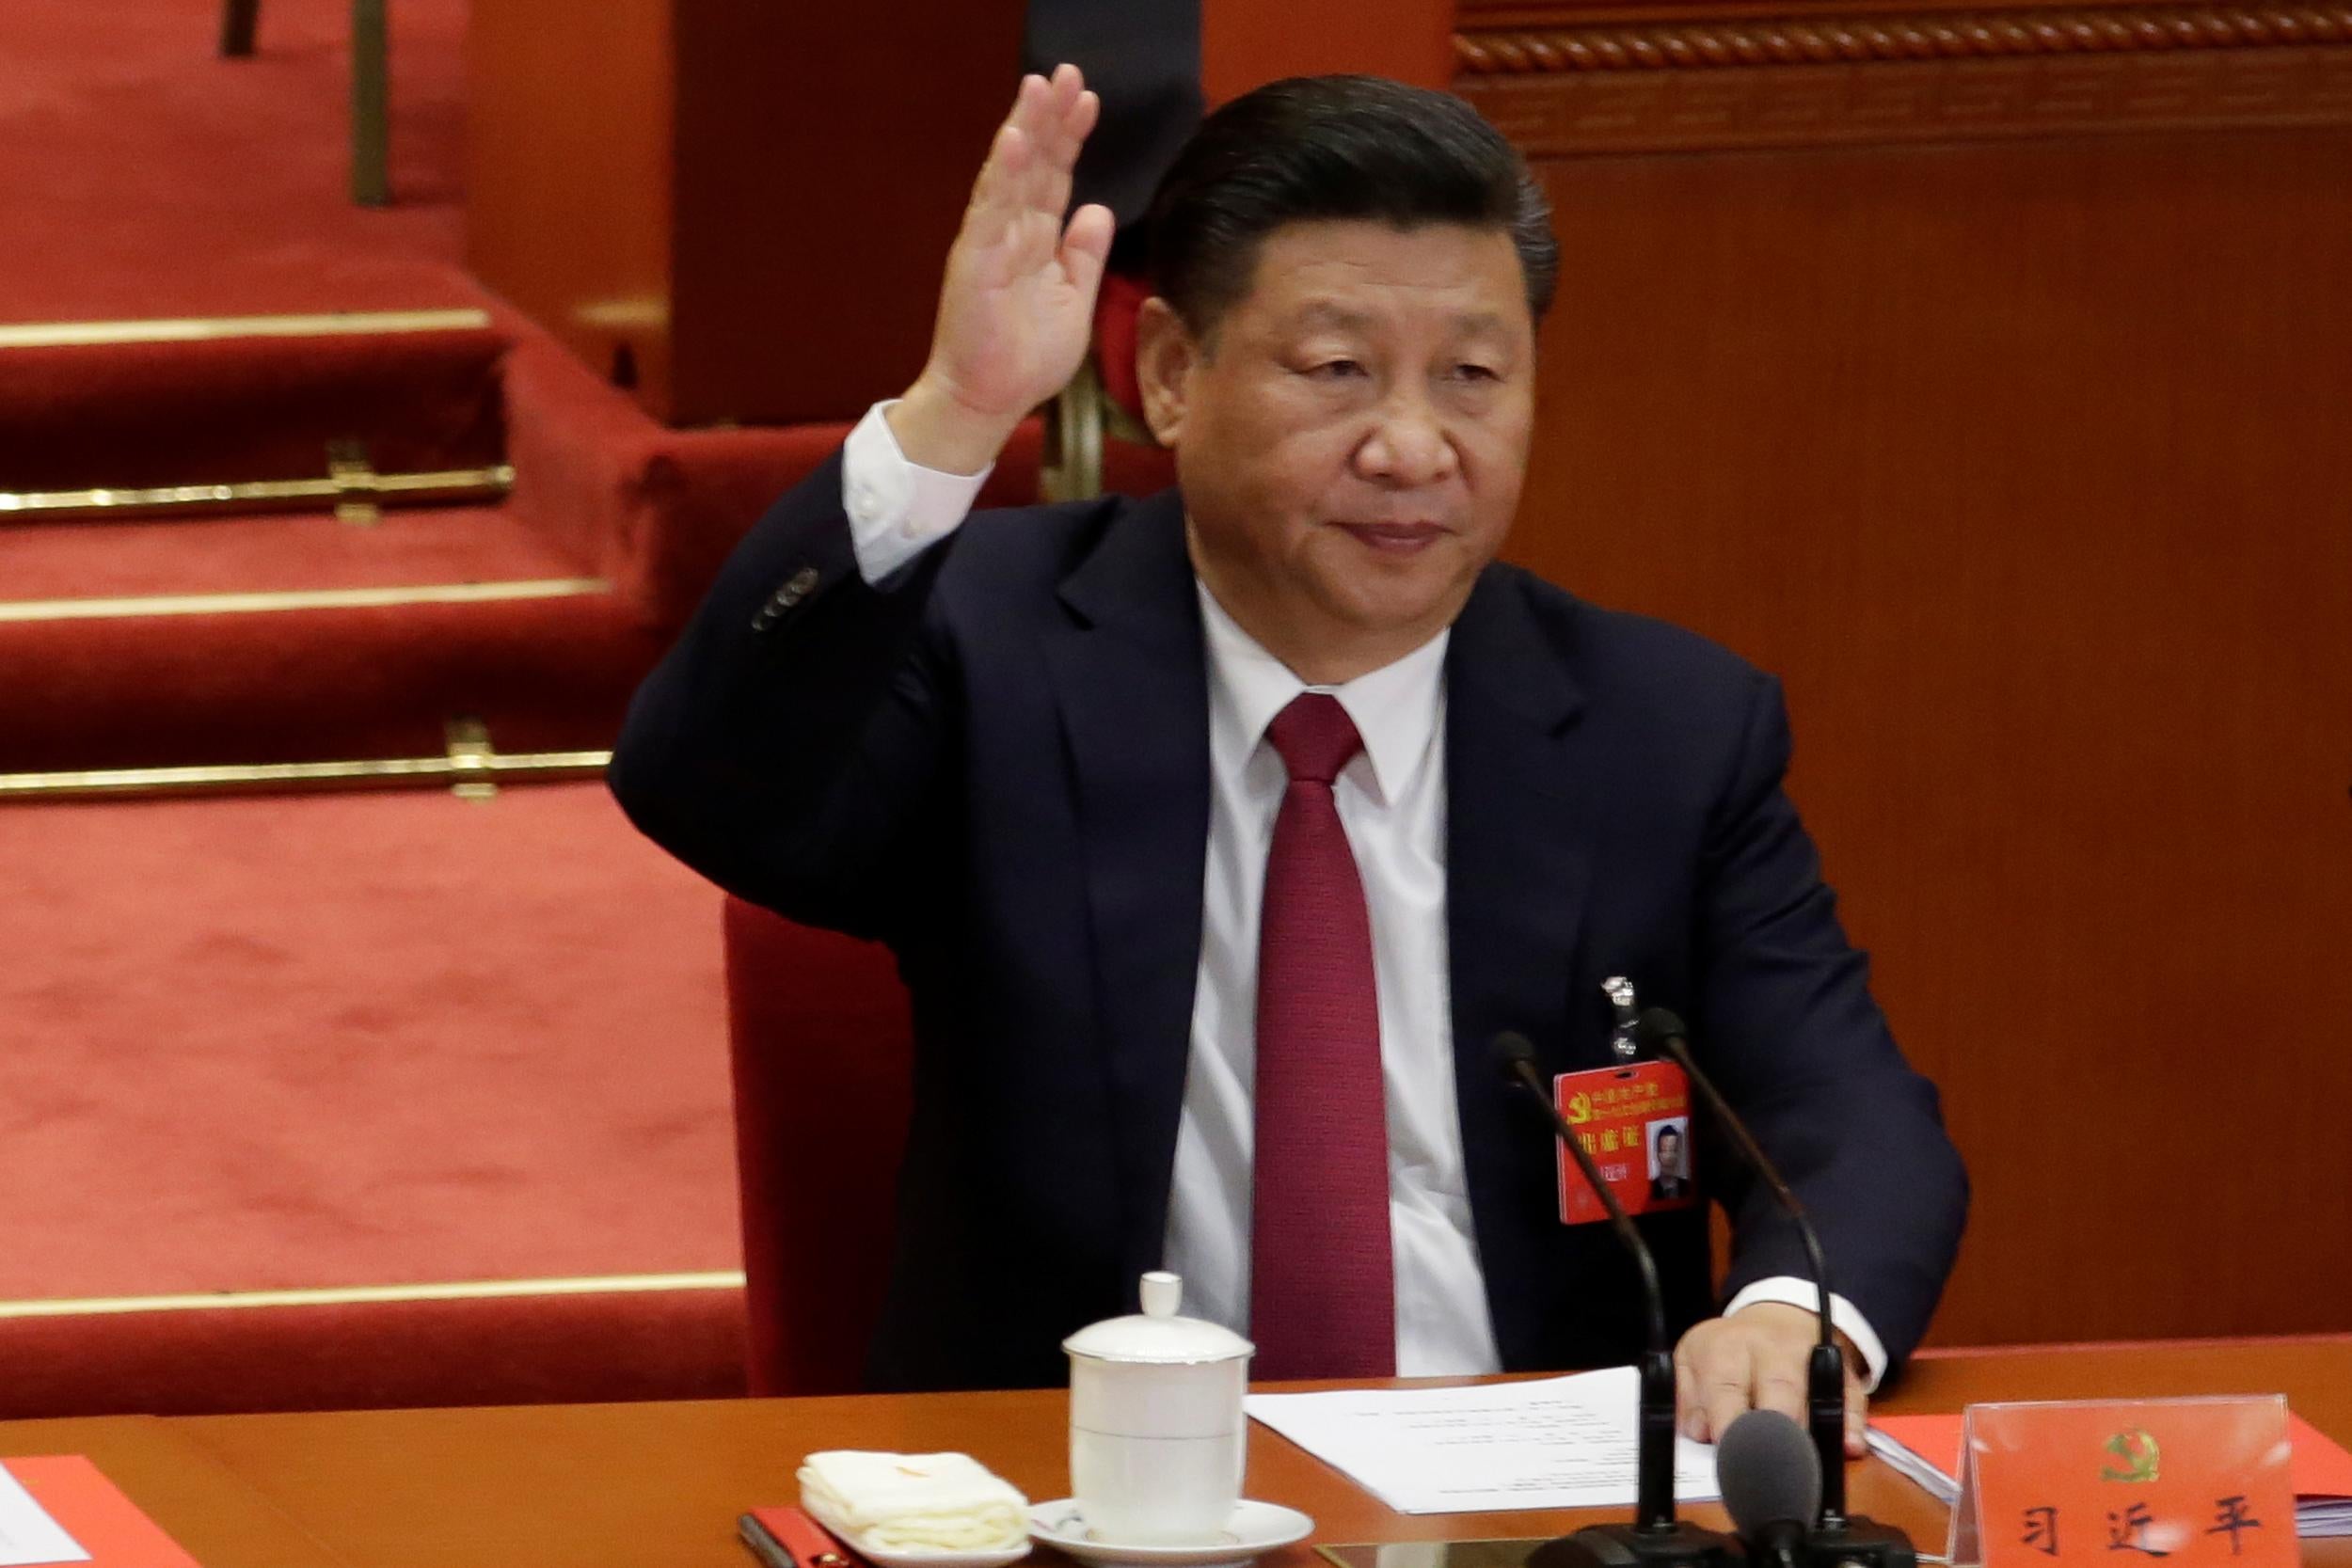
1834	1538
1655	1539
1770	1479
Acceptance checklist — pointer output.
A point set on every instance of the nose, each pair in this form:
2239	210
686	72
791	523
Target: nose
1408	445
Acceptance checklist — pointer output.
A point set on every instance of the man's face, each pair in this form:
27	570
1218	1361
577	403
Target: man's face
1351	437
1670	1153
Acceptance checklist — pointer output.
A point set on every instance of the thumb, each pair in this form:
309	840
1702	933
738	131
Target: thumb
1086	247
1857	1418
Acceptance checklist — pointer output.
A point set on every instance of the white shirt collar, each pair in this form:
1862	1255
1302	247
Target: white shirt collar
1395	707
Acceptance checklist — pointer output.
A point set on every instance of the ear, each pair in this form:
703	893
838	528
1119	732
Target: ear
1165	356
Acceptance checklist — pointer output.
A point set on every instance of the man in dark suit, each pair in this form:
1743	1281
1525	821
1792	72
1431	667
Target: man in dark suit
1218	834
1671	1180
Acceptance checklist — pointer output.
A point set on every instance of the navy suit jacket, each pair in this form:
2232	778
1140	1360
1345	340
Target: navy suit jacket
998	763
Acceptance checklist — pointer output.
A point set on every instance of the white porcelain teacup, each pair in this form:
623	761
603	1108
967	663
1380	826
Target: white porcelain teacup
1158	1433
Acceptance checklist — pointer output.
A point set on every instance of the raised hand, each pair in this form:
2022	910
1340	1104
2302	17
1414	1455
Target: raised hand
1016	309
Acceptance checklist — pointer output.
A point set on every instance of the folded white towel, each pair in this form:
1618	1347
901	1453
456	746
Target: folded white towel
923	1503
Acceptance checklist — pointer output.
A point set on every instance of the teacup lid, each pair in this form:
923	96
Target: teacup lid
1156	1335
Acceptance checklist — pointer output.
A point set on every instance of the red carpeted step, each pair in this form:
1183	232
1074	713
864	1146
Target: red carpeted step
357	1039
360	1040
235	410
310	685
527	1347
613	531
276	553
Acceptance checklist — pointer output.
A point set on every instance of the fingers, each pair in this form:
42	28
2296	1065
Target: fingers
1086	247
1057	156
1062	116
1724	1399
1756	1360
1778	1387
994	206
1028	172
1713	1375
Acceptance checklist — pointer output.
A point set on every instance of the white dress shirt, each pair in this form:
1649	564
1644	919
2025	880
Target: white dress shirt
1391	802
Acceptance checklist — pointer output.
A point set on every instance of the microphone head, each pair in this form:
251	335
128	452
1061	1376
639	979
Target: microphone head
1657	1025
1769	1473
1512	1050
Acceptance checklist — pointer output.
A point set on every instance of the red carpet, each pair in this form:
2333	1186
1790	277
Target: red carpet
142	175
236	555
337	1040
239	409
355	1039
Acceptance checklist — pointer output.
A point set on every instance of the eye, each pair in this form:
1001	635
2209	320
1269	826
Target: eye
1477	373
1336	369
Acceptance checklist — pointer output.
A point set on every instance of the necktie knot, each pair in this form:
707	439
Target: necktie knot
1314	738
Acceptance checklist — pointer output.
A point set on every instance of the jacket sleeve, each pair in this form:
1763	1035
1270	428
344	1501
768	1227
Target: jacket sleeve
1787	1027
789	746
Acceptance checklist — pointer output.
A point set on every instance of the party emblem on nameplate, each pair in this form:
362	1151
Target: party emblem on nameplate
2106	1483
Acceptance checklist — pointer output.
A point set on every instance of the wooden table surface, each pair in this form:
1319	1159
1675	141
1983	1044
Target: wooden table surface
604	1486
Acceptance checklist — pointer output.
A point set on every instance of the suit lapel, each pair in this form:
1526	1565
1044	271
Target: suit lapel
1519	864
1130	674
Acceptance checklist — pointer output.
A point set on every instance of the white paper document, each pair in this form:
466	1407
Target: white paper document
1560	1442
28	1533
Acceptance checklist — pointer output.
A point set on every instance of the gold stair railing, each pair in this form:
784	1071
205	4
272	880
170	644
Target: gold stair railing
205	329
471	766
351	486
284	600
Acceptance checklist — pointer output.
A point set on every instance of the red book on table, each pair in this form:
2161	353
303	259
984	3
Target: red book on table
94	1511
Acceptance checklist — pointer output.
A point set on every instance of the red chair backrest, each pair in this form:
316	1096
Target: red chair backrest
823	1047
1117	308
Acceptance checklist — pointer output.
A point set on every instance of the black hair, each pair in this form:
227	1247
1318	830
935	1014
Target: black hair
1312	147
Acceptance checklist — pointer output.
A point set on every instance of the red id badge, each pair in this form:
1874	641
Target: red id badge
1635	1122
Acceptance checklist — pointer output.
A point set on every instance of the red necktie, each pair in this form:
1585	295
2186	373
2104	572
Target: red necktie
1322	1277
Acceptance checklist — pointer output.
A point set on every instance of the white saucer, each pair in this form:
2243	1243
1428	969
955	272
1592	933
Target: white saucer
880	1559
1254	1528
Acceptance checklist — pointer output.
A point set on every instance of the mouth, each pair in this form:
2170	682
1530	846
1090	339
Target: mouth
1395	538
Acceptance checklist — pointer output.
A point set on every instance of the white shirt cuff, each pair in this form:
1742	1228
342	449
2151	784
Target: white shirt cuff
1842	1317
897	509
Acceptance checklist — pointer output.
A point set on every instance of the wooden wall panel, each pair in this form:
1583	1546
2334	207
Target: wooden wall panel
2021	453
752	199
1248	43
567	177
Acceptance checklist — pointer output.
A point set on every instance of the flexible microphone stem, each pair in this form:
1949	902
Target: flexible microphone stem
1654	1455
1825	1371
1678	1049
1655	1539
1652	1292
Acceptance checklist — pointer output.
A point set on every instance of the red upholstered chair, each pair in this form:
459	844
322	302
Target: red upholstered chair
824	1049
1095	438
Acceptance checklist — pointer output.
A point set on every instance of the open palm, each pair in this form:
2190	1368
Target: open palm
1017	308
